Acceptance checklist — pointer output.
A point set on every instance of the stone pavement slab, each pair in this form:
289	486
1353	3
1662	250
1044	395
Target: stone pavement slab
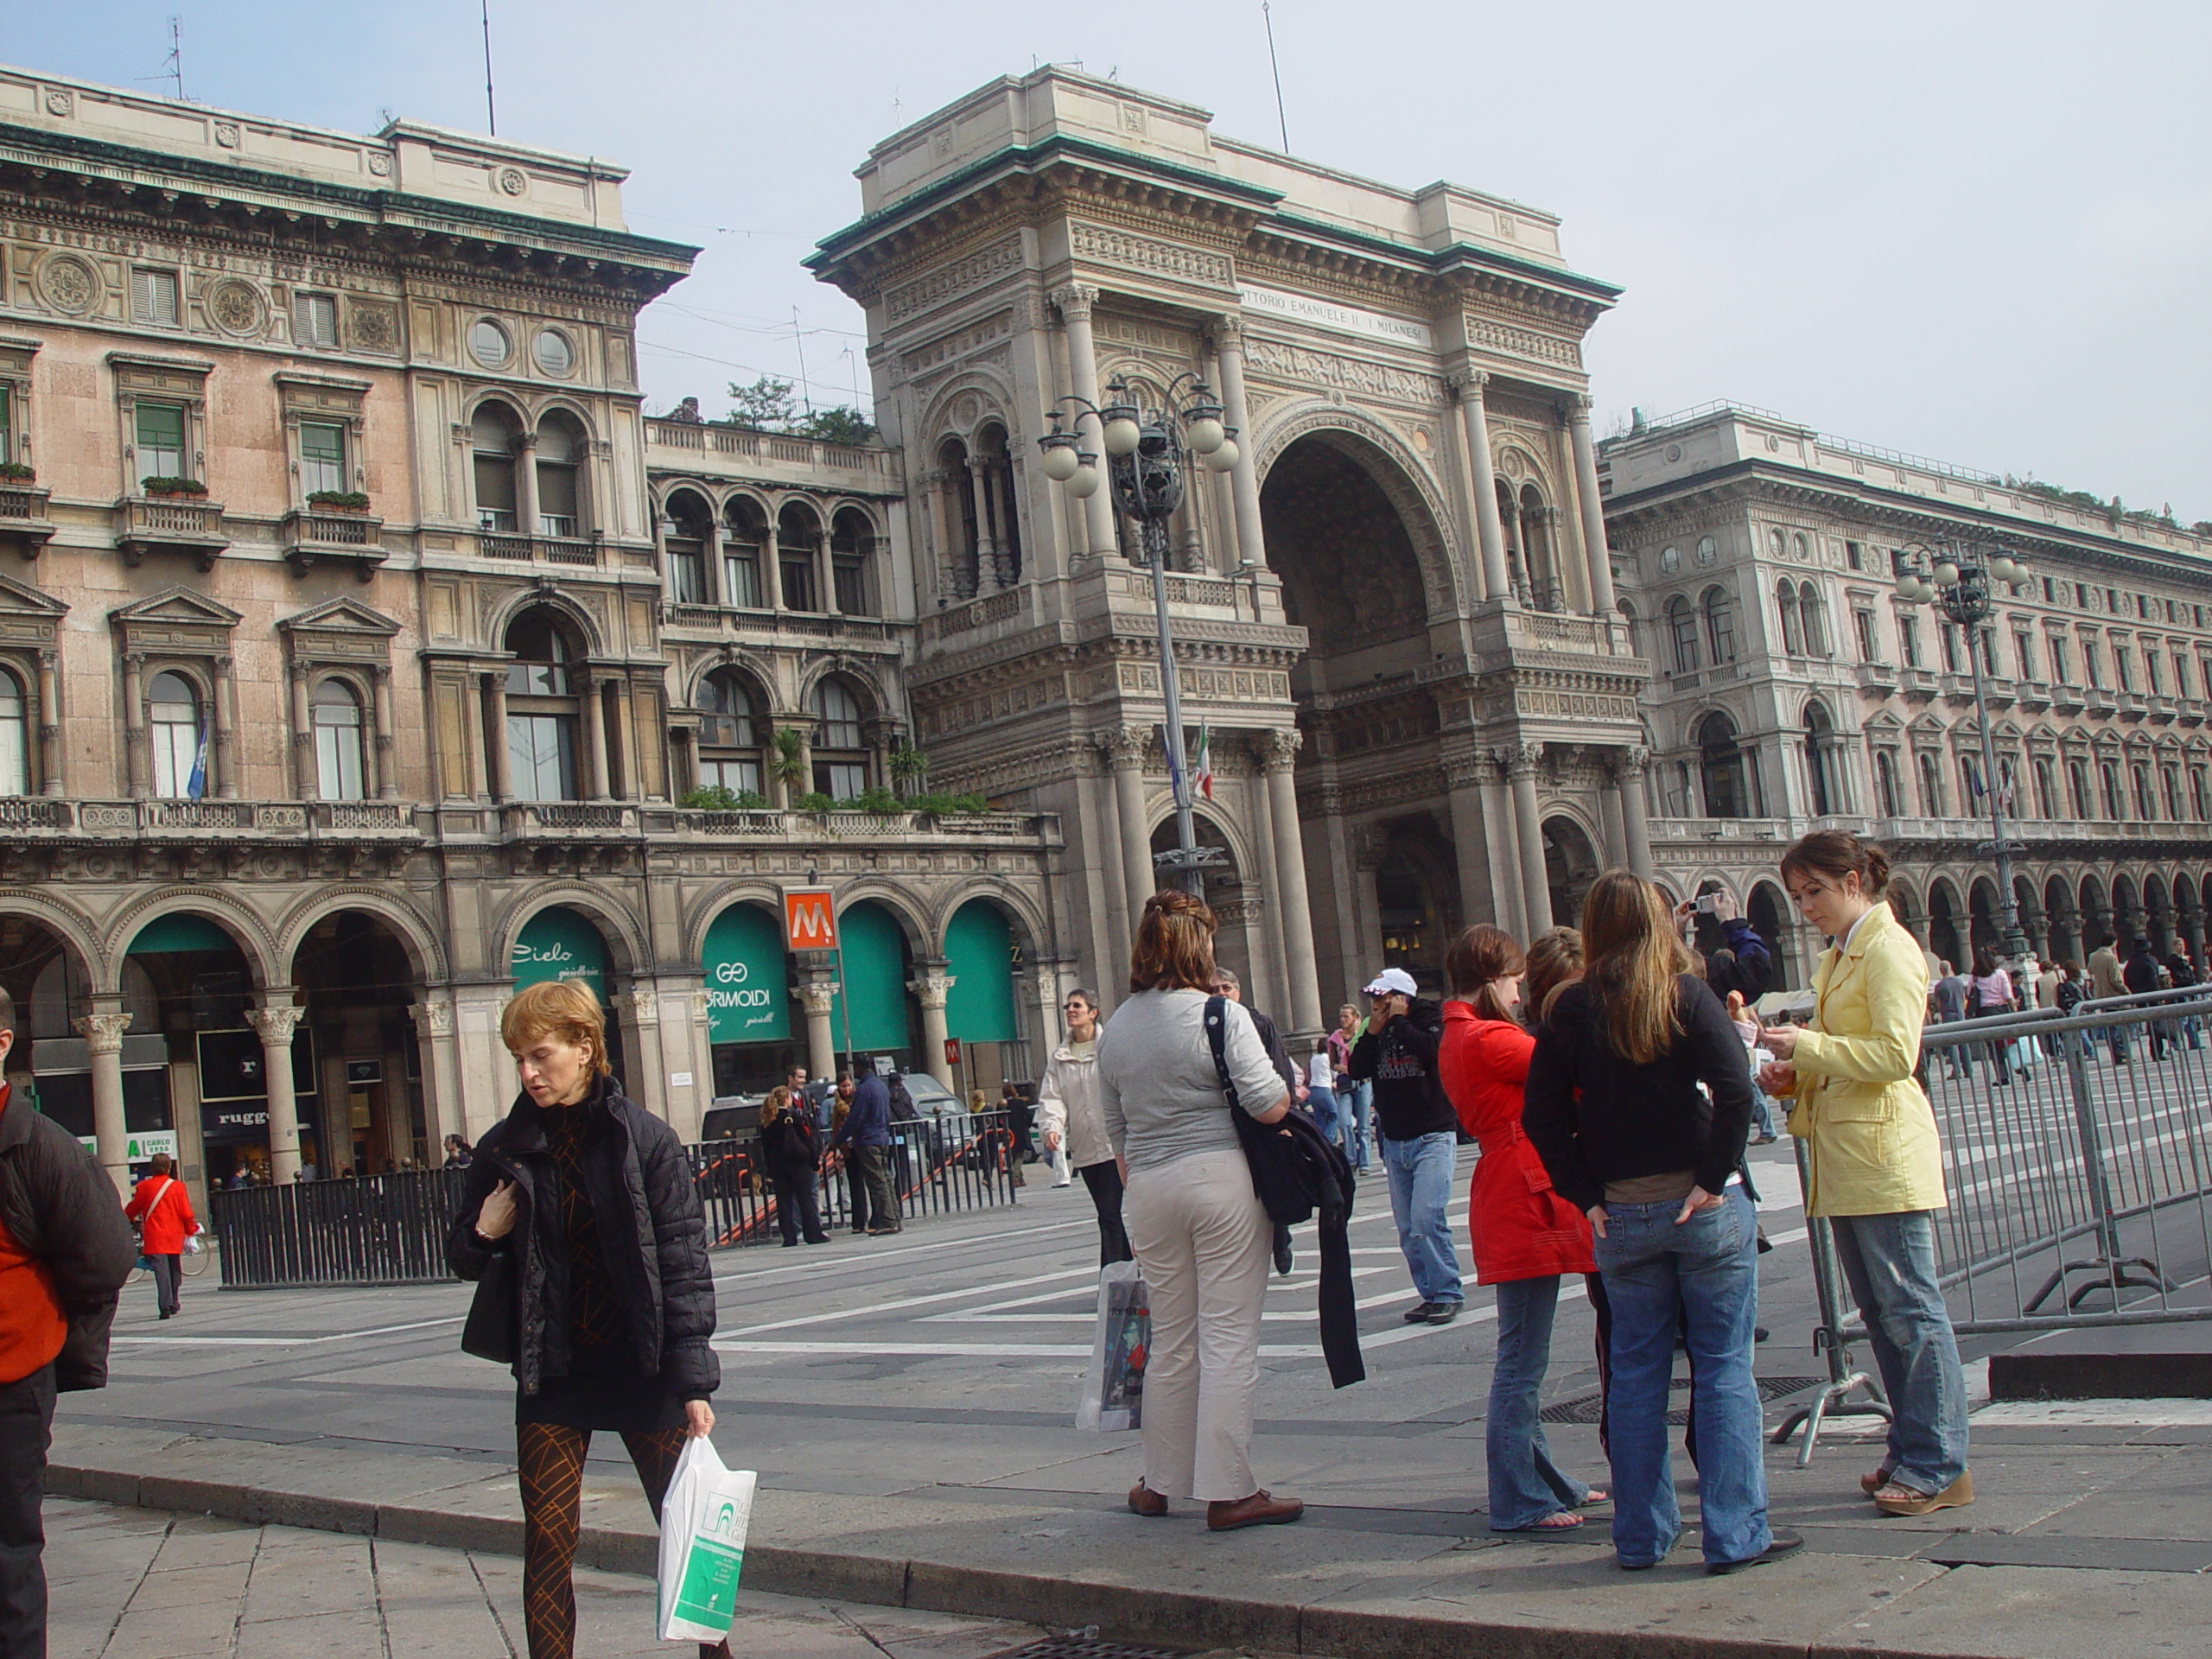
2068	1534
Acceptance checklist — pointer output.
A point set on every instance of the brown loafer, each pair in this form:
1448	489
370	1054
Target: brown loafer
1263	1508
1145	1502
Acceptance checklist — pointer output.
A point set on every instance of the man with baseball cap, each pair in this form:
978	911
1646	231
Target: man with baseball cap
1420	1135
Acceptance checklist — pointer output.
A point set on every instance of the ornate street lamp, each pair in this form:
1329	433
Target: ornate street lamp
1957	576
1145	451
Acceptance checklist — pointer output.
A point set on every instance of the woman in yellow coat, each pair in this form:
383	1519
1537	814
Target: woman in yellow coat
1876	1167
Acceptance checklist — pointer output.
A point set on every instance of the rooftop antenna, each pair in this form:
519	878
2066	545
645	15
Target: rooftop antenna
804	396
173	64
1267	16
491	108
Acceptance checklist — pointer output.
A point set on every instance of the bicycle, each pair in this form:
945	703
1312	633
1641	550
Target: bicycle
192	1264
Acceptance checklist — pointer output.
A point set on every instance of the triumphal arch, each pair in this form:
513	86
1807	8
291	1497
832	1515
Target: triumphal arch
1394	616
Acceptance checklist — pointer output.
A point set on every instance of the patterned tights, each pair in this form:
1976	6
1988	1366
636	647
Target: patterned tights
552	1460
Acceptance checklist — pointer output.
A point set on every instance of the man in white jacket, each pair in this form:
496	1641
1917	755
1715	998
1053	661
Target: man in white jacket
1073	1128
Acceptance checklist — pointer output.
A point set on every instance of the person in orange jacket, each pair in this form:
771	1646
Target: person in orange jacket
1525	1236
162	1209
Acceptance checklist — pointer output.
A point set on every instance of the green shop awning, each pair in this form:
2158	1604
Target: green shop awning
748	998
979	954
559	943
181	931
874	979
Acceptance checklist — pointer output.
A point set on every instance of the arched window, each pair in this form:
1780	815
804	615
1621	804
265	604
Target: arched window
15	736
177	730
1536	539
1778	545
1727	794
2046	791
798	557
962	576
1681	622
1793	632
2108	775
1885	779
731	735
2169	778
560	451
2146	804
1721	624
1931	785
2077	787
1970	796
841	765
684	539
1822	770
998	523
2200	795
1636	640
542	712
491	440
1814	611
745	538
338	769
852	544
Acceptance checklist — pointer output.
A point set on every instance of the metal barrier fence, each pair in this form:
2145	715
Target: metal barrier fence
2077	1155
391	1229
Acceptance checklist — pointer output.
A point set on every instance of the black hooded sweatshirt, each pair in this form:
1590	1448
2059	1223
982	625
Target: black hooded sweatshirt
1409	1101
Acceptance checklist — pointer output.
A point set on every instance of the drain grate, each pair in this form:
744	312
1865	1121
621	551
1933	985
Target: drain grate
1078	1646
1585	1408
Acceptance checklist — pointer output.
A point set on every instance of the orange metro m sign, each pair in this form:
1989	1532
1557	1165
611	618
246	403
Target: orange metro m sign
809	919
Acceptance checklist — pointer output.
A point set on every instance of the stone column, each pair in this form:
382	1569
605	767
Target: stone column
1636	825
626	739
987	540
380	701
134	726
526	484
771	566
1244	476
1470	516
226	761
1125	748
274	1022
441	1105
1591	506
1613	846
825	574
1053	982
1480	898
1529	831
711	551
817	994
306	786
52	756
1278	753
495	739
1367	859
931	986
102	1030
1488	530
1502	847
1075	301
591	704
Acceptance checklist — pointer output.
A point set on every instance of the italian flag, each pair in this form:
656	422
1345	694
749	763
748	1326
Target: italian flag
1204	767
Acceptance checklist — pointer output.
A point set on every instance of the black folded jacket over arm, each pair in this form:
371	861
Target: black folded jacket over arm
1597	1116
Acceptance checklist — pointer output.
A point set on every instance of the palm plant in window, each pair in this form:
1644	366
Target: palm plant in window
909	766
789	766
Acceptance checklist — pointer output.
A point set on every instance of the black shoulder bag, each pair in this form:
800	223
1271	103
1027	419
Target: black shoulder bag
1298	1173
489	1332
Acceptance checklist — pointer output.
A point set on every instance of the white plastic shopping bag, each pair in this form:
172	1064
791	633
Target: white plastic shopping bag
702	1522
1113	1388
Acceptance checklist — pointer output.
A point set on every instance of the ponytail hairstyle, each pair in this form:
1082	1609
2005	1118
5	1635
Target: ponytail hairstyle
1479	955
1836	854
1555	963
1634	959
1174	946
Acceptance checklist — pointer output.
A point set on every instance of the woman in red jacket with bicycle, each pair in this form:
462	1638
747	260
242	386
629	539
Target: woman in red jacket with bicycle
163	1211
1524	1235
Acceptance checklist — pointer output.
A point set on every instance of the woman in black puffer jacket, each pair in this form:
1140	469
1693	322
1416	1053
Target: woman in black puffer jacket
591	1198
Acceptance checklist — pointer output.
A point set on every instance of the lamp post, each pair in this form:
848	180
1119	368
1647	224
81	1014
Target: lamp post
1145	461
1957	576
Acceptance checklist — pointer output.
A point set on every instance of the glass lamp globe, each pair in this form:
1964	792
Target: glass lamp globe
1205	434
1947	573
1122	436
1222	456
1060	462
1082	482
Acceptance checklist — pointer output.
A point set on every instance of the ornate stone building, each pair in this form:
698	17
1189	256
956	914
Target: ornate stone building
1755	562
340	690
1394	616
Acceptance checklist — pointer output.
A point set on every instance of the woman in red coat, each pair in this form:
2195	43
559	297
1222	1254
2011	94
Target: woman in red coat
1525	1236
163	1211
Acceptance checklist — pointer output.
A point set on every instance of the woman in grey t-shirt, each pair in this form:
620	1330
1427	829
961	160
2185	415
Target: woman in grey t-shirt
1200	1233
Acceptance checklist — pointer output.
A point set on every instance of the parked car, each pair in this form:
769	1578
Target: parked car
731	1117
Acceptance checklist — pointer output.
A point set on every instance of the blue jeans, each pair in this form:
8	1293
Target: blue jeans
1525	1485
1322	1103
1420	1172
1353	1102
1889	1262
1656	1274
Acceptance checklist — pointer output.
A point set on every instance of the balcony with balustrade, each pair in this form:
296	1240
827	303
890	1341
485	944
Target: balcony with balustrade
313	536
41	818
170	524
23	523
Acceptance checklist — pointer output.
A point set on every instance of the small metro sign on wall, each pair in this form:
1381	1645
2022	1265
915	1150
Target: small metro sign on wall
810	920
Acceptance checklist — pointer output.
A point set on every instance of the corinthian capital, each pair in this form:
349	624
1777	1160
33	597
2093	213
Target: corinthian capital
274	1024
1522	759
102	1033
1124	746
1633	759
932	990
1278	751
1075	301
818	996
1229	332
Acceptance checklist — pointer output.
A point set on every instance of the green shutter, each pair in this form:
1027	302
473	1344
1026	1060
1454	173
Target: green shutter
748	1000
558	944
979	954
160	426
874	952
180	932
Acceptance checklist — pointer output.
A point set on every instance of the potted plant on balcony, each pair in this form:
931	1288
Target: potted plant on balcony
338	500
815	801
879	800
718	798
909	766
789	766
159	486
17	472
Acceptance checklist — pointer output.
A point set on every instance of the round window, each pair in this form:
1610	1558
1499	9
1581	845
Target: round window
1707	550
554	353
488	343
1670	559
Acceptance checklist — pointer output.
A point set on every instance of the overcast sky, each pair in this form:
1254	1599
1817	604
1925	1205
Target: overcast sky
1977	232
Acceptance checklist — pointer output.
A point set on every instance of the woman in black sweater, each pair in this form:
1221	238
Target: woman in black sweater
1639	1100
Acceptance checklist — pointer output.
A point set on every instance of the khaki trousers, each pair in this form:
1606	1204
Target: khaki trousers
1202	1241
